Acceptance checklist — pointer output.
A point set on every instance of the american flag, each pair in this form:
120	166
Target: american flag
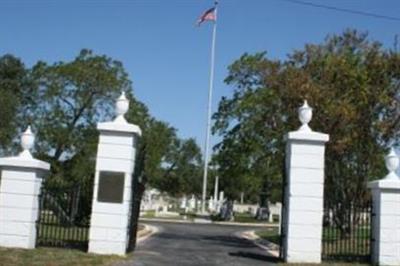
208	15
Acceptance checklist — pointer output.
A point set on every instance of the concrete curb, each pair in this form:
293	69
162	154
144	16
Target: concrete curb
271	248
247	224
200	222
147	232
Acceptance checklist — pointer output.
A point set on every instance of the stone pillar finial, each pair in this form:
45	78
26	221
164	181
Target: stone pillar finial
392	163
27	142
121	108
305	116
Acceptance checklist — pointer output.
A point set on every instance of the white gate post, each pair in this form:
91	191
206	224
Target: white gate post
112	193
386	221
21	181
305	152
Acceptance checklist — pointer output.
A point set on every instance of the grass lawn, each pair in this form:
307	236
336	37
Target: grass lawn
270	234
52	257
149	214
246	218
335	249
152	214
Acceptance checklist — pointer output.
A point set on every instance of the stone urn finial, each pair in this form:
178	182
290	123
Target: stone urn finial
27	142
305	116
121	108
392	163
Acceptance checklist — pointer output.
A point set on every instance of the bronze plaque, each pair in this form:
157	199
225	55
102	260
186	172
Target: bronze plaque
111	187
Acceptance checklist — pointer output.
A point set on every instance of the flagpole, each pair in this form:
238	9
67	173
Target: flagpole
210	91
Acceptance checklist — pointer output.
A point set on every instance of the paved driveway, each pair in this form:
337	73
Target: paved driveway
198	244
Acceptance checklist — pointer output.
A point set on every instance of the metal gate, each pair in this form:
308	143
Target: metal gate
137	193
347	231
64	218
283	221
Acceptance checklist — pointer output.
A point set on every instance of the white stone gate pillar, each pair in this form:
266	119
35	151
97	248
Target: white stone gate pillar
305	152
21	181
386	221
112	194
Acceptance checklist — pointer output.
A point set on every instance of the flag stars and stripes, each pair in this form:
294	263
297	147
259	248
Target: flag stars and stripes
209	15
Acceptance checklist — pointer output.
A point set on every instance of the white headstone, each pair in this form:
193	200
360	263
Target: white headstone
192	203
216	192
183	204
211	204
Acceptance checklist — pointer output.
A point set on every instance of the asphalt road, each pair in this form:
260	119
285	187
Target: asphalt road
198	244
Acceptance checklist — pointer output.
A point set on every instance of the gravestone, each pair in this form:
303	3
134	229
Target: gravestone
211	204
183	203
226	211
192	203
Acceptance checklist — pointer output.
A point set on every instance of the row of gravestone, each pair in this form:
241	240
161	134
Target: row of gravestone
21	179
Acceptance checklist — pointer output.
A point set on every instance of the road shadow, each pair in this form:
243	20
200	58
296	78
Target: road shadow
255	256
172	236
230	241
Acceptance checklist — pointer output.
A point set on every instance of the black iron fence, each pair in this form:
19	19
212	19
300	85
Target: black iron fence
346	232
283	218
64	219
135	212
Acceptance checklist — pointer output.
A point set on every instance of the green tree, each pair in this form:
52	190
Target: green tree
164	161
353	85
68	100
15	96
182	170
71	98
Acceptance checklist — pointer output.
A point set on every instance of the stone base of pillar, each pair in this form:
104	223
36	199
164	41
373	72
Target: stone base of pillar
115	244
386	222
304	196
109	231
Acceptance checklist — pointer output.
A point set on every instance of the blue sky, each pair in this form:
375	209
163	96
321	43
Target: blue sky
166	56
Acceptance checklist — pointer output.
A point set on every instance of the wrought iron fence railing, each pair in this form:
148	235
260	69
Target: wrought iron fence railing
346	234
63	220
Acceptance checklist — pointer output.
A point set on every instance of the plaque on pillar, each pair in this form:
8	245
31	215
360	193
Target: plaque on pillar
111	187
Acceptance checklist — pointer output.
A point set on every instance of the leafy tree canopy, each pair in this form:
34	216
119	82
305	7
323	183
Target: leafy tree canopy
353	85
64	101
15	96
